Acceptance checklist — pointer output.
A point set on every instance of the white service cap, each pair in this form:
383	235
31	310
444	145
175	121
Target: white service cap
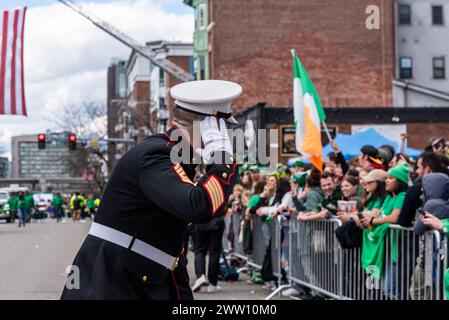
207	97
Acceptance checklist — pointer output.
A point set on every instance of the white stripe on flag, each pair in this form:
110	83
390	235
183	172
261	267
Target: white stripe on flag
8	63
19	102
4	19
12	93
298	111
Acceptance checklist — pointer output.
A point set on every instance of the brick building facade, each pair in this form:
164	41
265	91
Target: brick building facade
250	44
350	65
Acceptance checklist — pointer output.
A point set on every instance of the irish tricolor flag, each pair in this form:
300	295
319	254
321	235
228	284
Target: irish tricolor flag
308	114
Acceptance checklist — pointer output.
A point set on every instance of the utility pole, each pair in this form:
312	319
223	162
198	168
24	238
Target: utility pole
164	64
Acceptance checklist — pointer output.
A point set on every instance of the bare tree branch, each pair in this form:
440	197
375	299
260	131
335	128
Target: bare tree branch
85	120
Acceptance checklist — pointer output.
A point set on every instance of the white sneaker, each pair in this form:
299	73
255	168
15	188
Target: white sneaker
201	281
212	288
290	292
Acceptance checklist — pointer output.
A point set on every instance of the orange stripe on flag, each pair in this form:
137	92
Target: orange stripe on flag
312	140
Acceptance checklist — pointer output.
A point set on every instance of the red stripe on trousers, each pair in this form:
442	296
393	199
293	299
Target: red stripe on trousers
13	63
3	61
24	109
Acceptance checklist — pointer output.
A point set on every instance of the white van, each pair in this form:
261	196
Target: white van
5	194
4	206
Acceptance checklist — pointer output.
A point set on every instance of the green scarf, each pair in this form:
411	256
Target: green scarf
373	245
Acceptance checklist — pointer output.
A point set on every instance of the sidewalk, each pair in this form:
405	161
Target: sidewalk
242	289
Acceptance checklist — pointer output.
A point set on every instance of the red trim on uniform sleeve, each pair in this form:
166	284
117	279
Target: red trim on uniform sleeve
229	178
176	285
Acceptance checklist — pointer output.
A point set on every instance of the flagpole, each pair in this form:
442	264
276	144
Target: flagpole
293	52
327	131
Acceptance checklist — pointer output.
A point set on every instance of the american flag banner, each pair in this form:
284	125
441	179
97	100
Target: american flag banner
12	82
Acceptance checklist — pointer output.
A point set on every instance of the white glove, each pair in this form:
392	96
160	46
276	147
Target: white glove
215	138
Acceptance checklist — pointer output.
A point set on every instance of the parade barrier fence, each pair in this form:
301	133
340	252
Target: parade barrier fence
413	267
446	261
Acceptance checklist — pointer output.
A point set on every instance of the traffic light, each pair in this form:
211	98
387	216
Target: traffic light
41	141
72	141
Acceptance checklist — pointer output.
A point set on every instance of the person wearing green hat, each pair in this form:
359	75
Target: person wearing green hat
373	241
297	184
298	166
280	172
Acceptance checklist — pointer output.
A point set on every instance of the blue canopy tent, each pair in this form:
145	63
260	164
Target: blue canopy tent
350	145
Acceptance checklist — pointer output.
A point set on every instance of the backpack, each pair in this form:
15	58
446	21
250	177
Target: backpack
77	203
227	272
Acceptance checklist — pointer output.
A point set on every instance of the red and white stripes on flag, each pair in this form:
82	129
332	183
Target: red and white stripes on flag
12	82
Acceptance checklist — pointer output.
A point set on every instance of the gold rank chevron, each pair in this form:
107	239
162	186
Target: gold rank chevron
216	193
182	174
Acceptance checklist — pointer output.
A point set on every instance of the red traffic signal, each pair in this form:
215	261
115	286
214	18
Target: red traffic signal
41	141
72	141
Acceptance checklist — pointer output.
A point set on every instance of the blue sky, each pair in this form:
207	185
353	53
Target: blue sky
175	6
66	57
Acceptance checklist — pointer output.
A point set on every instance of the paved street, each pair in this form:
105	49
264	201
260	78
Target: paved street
34	258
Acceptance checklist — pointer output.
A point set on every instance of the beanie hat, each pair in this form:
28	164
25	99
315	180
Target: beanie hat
400	172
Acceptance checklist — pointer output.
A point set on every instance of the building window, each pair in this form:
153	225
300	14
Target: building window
437	15
202	68
122	85
405	13
405	65
438	68
161	78
202	16
162	103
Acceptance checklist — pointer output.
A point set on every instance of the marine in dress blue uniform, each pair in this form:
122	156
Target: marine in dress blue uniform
134	249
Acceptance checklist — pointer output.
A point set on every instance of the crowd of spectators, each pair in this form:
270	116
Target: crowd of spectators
381	186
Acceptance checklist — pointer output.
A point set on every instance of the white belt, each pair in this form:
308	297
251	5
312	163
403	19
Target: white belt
126	241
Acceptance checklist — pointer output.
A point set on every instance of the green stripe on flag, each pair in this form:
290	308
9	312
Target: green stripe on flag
307	86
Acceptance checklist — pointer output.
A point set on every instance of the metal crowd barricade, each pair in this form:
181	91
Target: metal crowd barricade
411	269
315	256
224	241
261	233
276	245
237	246
261	240
445	263
413	265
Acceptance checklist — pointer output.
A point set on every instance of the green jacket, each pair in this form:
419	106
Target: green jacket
21	203
29	201
57	202
331	202
312	202
13	203
91	203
